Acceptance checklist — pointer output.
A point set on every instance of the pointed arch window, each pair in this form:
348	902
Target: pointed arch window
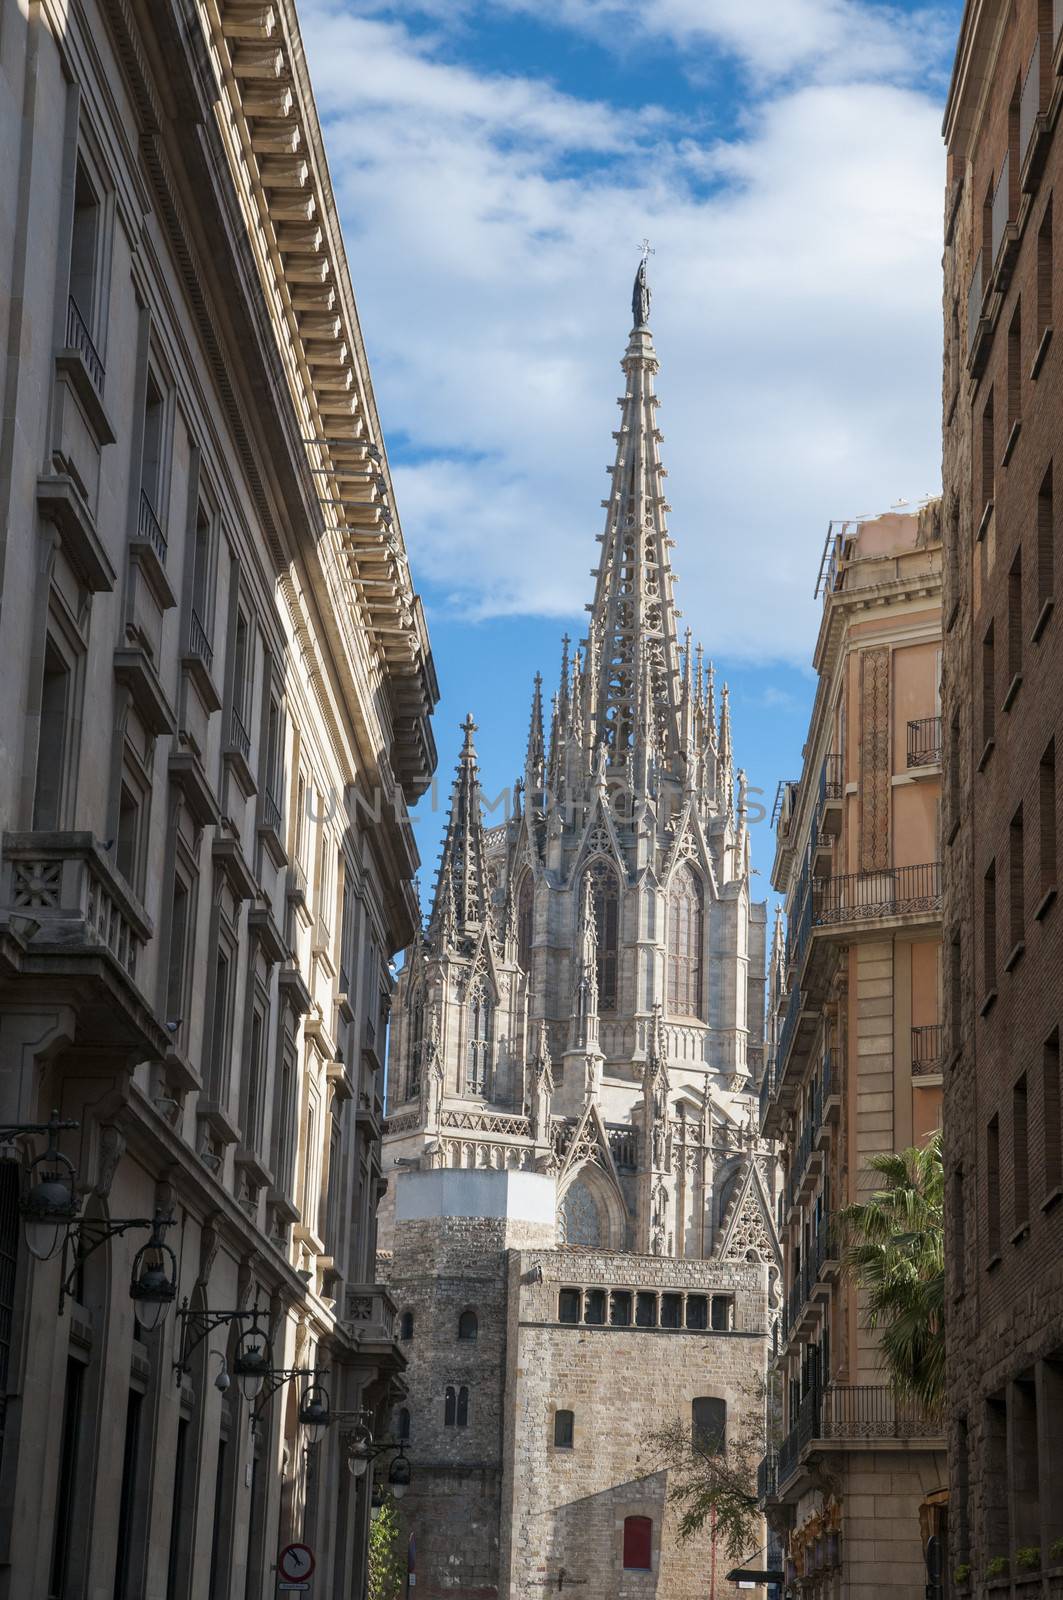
525	921
415	1045
686	926
605	892
481	1028
579	1218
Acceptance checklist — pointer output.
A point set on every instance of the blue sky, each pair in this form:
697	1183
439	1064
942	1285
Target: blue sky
497	166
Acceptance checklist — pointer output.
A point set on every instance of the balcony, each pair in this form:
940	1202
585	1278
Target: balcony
767	1090
977	325
149	528
238	753
857	898
854	1414
768	1477
72	920
369	1319
271	816
924	742
928	1049
1033	123
199	646
78	338
239	738
1005	234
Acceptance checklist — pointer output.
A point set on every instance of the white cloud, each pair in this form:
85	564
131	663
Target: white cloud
492	224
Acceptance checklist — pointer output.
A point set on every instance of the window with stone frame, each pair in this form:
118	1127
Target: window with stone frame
638	1544
605	895
456	1406
569	1302
468	1325
415	1043
402	1424
564	1429
406	1326
284	1135
686	928
525	921
480	1022
57	740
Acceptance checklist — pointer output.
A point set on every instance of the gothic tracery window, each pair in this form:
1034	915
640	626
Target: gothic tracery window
579	1220
525	919
480	1024
686	923
415	1046
606	896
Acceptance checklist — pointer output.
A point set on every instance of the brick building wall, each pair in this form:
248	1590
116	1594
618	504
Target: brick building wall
1003	656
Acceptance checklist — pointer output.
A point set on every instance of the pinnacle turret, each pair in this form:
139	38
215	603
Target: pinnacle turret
460	907
535	758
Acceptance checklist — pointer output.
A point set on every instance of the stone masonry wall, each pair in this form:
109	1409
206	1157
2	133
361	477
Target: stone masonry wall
564	1509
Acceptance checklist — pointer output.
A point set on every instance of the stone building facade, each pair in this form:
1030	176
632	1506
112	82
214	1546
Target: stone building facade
1003	659
217	686
584	1012
855	1054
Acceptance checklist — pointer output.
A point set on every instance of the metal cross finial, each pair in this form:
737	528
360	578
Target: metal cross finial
647	250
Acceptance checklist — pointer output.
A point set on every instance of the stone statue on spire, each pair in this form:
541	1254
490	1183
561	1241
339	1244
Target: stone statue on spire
641	295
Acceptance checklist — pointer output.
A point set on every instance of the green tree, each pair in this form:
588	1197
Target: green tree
895	1248
713	1482
386	1574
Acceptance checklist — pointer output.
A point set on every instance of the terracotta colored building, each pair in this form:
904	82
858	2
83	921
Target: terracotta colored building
854	1053
1003	661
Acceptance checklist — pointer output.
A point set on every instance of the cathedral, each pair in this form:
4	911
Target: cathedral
579	1225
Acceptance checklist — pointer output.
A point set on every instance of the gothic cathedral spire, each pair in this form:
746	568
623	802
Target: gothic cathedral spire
634	663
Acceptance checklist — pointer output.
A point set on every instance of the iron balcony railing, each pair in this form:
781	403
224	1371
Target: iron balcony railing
927	1048
873	1411
271	815
150	528
924	742
865	896
975	296
767	1089
1001	214
198	643
1057	20
852	1412
1030	102
786	1033
831	779
768	1476
801	1158
79	338
239	738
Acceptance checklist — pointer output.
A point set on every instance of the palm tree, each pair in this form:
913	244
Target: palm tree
895	1248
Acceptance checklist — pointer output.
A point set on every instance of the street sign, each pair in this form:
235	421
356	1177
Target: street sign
305	1587
296	1562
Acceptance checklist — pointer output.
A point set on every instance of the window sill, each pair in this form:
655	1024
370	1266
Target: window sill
1044	905
1021	1232
1015	955
987	751
954	612
1013	689
983	526
1013	439
994	1261
953	830
1042	619
1042	351
988	1003
1052	1198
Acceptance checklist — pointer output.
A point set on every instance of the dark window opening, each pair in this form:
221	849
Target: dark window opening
468	1325
722	1313
406	1326
645	1310
568	1305
671	1311
620	1308
564	1429
697	1311
708	1425
594	1307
